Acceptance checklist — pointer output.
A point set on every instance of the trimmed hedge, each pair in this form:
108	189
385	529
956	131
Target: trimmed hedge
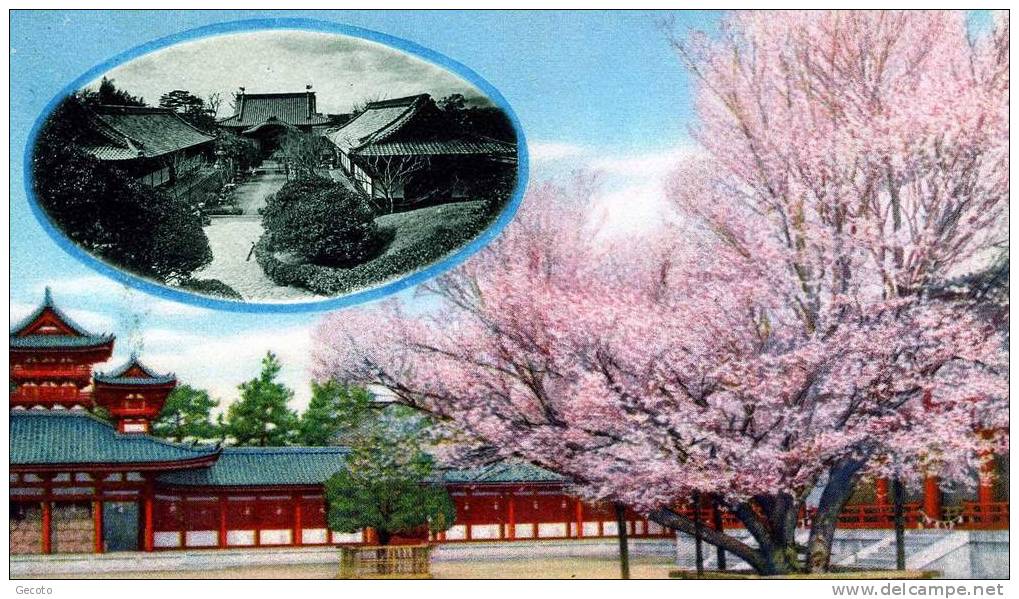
418	238
323	222
213	287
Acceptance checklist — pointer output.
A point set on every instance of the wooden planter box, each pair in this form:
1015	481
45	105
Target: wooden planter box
387	561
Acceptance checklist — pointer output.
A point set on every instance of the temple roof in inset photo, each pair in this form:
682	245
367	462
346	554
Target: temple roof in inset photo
292	108
409	126
131	132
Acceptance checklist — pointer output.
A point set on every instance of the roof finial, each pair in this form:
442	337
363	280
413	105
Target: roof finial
48	296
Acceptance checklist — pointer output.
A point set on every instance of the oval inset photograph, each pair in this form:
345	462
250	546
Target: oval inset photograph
277	166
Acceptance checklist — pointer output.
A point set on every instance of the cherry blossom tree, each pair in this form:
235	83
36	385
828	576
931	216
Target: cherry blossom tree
780	340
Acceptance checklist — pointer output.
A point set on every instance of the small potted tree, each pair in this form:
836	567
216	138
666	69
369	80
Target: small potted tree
387	486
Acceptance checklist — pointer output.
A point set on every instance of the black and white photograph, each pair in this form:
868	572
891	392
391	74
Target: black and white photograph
275	166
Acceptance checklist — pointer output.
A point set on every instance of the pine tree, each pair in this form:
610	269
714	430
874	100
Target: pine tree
335	410
388	484
187	414
262	416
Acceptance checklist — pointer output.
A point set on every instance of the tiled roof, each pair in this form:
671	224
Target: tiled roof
377	120
448	147
503	472
142	132
296	108
264	466
77	437
254	466
134	373
58	341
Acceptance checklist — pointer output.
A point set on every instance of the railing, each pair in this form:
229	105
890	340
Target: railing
151	411
402	561
48	394
878	516
52	371
984	516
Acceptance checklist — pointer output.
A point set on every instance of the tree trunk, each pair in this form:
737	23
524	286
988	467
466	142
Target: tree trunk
624	550
750	555
776	553
775	536
841	480
900	524
716	517
697	536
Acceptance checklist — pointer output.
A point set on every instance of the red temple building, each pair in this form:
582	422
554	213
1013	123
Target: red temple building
79	484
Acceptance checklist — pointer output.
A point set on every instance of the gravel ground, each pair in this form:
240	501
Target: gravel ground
231	239
250	195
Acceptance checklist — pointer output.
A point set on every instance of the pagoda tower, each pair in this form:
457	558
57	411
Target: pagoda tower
51	359
133	395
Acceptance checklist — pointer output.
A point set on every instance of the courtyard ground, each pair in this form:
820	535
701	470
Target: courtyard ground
232	237
556	568
250	195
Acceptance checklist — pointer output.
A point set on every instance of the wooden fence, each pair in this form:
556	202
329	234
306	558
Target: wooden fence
389	561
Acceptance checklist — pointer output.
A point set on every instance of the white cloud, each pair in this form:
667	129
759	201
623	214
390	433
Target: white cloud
171	337
631	196
168	308
651	165
219	364
551	151
96	287
633	208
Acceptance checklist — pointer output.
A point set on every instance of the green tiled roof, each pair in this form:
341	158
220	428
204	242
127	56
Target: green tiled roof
503	472
254	466
116	376
58	341
77	437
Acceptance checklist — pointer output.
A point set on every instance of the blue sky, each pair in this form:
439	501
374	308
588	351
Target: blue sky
592	90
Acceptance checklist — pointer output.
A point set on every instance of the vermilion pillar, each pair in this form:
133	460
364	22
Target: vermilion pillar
97	525
467	517
222	521
985	492
580	518
932	498
297	521
148	533
511	518
47	526
881	491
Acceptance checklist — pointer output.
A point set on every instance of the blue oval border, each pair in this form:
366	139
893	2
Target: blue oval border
298	24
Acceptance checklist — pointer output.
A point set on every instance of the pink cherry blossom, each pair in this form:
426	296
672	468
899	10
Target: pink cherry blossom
783	337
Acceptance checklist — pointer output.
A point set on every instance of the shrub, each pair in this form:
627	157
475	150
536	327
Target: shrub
418	238
323	222
213	287
107	212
